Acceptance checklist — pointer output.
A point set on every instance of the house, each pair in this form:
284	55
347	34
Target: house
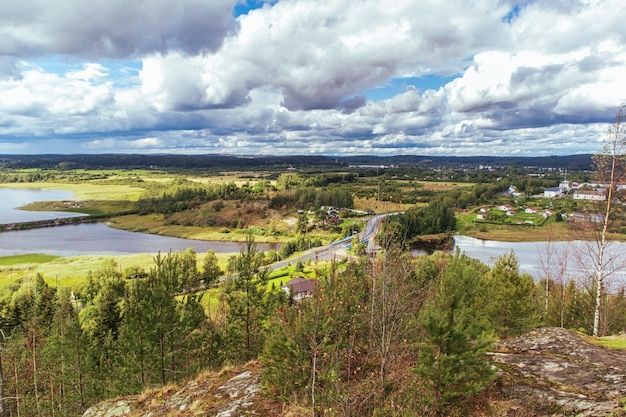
484	209
299	288
582	217
547	214
510	213
505	207
552	192
481	216
530	210
590	195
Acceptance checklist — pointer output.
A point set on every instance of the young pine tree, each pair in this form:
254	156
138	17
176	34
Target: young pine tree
452	361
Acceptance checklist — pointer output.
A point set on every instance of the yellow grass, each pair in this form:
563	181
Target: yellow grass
87	191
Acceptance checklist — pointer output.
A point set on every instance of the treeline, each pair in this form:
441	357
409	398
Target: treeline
291	190
183	195
312	198
108	161
121	332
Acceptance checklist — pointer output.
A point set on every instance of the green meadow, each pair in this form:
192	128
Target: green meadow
73	271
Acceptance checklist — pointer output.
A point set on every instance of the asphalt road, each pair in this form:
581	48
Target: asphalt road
336	250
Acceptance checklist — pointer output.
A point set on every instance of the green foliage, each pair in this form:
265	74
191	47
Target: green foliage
310	345
452	360
298	244
211	271
181	195
436	217
507	297
313	197
247	312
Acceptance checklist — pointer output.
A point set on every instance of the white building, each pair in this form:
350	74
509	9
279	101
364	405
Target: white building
590	195
552	192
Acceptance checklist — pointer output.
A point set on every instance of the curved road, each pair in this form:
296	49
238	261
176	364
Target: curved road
336	249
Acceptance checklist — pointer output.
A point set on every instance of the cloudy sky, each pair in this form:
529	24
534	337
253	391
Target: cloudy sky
326	77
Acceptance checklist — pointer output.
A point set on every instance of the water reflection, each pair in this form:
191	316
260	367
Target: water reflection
98	238
11	199
573	257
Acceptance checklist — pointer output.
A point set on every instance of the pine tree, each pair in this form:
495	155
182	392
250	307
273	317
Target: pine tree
137	367
245	291
67	365
452	360
211	271
508	297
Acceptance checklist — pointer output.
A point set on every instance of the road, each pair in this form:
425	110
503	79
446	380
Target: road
336	250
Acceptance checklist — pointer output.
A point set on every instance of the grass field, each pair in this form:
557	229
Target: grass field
31	258
153	224
87	190
73	271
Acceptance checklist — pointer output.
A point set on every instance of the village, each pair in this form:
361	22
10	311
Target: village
515	213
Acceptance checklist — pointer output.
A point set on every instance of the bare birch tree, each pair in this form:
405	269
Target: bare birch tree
610	171
553	261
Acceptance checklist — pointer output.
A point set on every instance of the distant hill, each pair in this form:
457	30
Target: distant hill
166	161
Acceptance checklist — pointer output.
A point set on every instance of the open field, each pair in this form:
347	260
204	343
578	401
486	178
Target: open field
73	271
87	190
154	224
31	258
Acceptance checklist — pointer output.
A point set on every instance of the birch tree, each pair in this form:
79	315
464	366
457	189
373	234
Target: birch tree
610	171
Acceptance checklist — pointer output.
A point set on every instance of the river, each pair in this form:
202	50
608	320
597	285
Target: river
573	256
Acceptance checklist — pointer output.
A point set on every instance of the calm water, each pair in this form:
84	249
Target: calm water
12	198
533	257
88	238
91	238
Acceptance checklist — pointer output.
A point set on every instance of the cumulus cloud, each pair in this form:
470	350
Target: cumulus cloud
112	28
293	76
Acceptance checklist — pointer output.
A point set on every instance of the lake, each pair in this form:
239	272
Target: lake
87	238
13	198
98	238
533	259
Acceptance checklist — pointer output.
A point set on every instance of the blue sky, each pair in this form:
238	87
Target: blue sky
318	77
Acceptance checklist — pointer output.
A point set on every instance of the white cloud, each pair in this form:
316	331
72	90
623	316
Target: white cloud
112	28
290	77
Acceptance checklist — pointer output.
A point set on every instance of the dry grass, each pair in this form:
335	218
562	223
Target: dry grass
87	190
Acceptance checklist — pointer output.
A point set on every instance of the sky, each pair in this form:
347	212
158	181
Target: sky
311	77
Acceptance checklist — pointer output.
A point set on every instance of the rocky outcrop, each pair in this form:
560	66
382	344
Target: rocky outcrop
230	393
555	372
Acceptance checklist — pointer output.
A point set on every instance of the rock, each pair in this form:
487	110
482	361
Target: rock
208	395
553	371
113	408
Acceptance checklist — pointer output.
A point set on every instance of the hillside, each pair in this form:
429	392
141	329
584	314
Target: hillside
547	372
